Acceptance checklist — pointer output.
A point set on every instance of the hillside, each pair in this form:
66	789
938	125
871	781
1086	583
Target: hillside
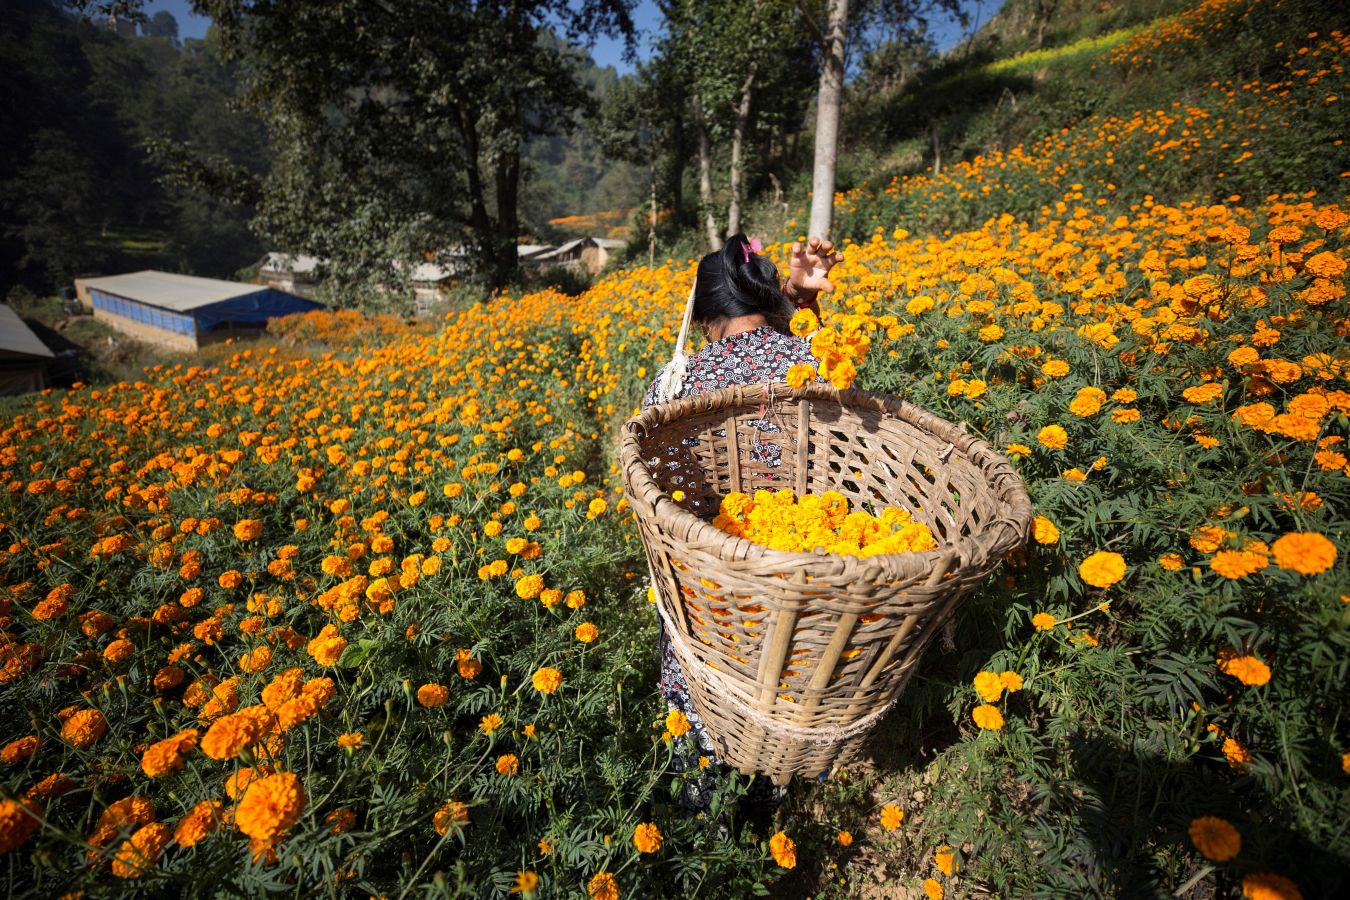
362	618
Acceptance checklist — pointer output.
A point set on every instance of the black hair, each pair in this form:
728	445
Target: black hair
730	284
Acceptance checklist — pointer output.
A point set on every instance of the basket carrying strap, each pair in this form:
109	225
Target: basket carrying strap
670	381
726	690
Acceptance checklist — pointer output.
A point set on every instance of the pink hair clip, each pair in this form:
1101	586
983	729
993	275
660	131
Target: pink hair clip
752	246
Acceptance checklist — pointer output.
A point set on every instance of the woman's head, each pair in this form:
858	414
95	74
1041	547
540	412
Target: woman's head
736	281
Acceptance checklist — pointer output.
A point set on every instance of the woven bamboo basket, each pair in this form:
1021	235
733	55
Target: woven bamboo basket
792	658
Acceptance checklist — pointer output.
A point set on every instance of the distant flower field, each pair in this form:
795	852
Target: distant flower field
371	619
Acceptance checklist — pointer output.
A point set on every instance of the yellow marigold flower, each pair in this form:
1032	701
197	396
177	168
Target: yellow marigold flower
603	886
432	695
526	882
1202	393
453	812
932	889
550	597
576	599
139	853
677	723
784	850
1055	368
546	680
1043	621
844	838
946	860
596	507
1269	886
1216	839
1125	416
529	587
351	740
1044	531
508	764
1012	682
197	823
19	820
586	632
647	838
891	816
1249	670
803	322
1305	552
1019	450
987	717
1102	569
490	723
1053	437
270	806
988	686
800	374
1170	561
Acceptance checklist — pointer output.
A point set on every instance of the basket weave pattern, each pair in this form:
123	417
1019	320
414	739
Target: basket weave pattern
792	658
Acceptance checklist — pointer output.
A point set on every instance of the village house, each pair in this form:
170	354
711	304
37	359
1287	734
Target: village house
183	312
23	356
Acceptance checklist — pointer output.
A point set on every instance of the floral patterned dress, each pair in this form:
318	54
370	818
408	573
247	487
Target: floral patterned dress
751	357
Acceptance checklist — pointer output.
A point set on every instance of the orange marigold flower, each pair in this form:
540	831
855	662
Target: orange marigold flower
467	667
1052	436
453	812
20	750
1305	552
1250	670
988	686
1236	564
603	886
1269	886
844	838
1044	531
166	757
647	838
508	764
197	823
586	632
1170	561
19	820
784	850
987	717
1102	569
1216	839
529	587
248	529
270	806
546	680
525	882
139	853
84	728
800	374
1043	621
946	860
432	695
677	723
891	816
932	889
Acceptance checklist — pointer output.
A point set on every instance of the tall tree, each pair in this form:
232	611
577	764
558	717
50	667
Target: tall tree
828	100
399	126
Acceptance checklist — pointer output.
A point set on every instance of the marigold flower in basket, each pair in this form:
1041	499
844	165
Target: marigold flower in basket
780	520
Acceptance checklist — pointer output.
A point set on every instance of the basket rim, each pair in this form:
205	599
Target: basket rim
997	539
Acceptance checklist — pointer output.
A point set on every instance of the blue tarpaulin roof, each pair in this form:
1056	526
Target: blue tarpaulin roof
258	307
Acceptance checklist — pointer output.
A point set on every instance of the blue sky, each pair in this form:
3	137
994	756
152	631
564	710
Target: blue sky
606	52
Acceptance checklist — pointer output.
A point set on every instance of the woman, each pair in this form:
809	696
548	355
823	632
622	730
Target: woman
744	313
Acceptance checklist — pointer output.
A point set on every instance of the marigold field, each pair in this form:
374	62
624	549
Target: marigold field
360	609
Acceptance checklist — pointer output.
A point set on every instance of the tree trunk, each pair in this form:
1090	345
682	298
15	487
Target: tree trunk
651	216
737	148
506	259
705	177
827	122
479	222
937	151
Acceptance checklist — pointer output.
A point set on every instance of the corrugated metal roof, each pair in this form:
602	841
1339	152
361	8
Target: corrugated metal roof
295	263
171	291
17	337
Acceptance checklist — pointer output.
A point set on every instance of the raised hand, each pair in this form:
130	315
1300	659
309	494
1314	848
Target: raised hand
809	265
